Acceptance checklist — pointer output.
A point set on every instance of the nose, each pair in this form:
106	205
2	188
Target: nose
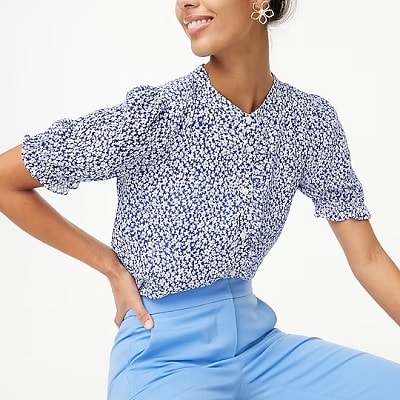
185	4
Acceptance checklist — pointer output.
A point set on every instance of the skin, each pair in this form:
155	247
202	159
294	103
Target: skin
238	47
239	69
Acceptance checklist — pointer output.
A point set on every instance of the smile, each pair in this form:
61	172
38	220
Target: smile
198	22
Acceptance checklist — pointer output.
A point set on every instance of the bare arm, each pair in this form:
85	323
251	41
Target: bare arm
374	269
21	203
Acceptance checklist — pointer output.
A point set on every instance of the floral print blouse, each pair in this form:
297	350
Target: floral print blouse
204	189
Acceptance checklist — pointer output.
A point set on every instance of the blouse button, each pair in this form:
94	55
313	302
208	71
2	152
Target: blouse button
249	120
244	190
243	234
249	149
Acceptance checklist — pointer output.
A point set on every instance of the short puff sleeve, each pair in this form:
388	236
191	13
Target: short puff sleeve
328	177
97	146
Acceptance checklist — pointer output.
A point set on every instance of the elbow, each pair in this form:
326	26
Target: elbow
14	177
4	186
369	262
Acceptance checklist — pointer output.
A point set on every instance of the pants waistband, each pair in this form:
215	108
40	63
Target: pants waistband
220	290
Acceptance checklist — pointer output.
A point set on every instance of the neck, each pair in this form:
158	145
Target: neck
242	75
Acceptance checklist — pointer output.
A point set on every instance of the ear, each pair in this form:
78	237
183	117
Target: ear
260	4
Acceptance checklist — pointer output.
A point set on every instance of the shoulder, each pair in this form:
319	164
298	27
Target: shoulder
303	102
314	113
166	96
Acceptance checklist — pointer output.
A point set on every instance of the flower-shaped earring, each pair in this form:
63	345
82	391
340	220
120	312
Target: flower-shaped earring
262	12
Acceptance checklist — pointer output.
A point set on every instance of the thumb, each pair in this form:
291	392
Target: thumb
146	320
126	293
142	314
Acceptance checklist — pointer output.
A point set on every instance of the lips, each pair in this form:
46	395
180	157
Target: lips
196	23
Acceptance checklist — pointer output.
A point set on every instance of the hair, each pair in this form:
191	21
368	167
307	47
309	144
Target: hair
283	10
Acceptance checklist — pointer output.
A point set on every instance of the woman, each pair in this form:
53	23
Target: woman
207	166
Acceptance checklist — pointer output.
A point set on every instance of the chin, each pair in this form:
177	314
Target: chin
201	52
202	49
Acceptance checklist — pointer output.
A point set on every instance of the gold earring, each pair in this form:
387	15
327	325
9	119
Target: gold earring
262	13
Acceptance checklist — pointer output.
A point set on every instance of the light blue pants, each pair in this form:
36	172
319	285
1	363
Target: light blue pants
219	343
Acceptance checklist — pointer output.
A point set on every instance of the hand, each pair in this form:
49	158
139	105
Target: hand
126	296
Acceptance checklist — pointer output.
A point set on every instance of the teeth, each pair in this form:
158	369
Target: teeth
193	24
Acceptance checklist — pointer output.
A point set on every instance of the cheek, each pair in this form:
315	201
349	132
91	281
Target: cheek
238	18
178	15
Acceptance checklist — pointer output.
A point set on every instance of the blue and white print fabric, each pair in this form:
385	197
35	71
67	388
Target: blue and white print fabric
204	189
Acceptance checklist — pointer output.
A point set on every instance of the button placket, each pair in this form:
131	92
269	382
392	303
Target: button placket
245	221
245	212
245	187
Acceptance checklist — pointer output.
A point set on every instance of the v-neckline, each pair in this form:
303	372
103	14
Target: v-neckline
234	106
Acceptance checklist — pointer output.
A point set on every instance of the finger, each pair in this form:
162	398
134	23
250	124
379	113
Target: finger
141	312
145	319
119	317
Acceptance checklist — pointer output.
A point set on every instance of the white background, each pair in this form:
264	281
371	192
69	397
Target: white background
64	59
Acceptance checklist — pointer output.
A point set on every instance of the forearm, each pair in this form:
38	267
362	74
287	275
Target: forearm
21	203
381	278
28	210
370	264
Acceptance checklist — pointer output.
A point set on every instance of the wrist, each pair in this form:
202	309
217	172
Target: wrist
115	270
110	265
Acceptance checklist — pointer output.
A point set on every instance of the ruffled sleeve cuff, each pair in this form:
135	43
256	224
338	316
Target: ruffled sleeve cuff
342	211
